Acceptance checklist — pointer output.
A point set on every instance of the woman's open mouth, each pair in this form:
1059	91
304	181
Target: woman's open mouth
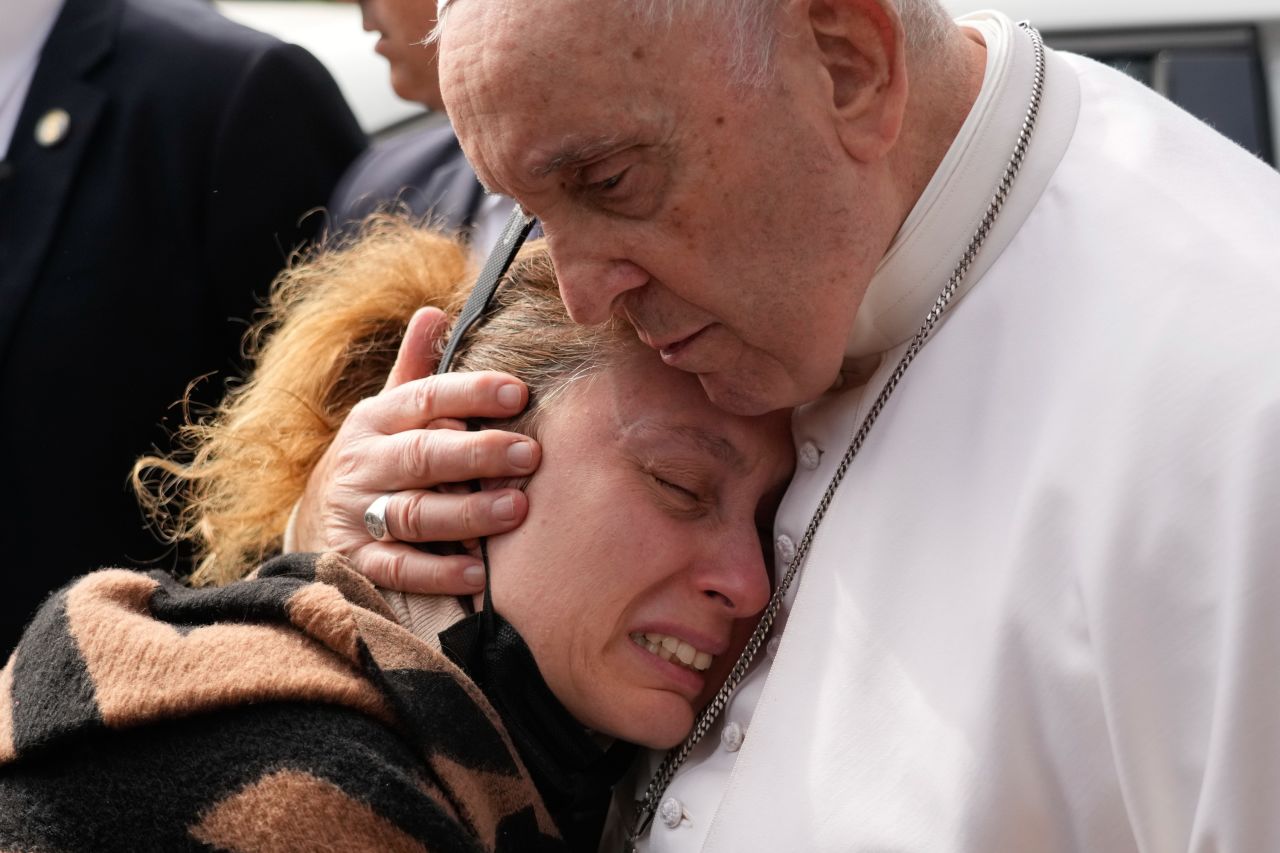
674	650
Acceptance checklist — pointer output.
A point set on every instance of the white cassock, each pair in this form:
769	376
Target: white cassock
1043	613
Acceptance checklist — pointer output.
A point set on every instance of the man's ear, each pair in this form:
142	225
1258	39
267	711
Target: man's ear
861	46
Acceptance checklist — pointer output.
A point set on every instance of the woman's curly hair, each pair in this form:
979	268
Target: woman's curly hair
328	339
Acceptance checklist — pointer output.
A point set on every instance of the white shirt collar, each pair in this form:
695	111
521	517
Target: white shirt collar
935	234
489	222
26	27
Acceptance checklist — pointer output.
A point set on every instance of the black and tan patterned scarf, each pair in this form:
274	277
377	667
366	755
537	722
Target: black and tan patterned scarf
287	712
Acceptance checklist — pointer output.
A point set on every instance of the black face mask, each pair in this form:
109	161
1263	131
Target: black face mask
572	770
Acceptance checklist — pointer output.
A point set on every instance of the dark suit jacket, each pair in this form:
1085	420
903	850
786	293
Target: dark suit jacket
421	171
194	150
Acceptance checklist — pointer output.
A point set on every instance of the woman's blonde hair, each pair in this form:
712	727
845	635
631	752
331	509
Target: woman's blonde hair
328	339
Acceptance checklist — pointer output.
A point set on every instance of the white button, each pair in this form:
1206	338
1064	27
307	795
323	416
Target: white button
810	455
671	811
732	737
772	647
786	548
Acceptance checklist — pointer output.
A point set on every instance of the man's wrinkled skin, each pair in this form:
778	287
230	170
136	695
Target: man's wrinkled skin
662	201
737	227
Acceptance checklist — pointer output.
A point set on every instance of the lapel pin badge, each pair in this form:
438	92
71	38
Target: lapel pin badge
52	127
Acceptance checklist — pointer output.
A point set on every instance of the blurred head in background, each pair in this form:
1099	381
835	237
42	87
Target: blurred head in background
403	26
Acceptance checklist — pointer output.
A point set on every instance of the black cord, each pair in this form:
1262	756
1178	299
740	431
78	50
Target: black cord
514	233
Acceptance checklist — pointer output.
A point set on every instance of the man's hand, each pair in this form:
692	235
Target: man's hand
408	439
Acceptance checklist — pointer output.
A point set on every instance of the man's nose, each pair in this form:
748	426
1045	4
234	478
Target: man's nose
590	282
737	578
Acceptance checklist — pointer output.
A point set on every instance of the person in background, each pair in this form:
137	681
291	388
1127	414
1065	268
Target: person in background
421	171
159	165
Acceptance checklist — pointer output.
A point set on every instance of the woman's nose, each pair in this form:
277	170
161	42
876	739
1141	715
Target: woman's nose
737	577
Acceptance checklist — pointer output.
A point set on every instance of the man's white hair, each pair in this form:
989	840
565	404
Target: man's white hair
749	31
751	35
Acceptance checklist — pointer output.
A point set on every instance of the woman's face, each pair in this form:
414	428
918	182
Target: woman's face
644	531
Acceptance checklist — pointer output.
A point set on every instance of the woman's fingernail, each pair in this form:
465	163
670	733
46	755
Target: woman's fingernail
509	396
473	576
520	454
504	508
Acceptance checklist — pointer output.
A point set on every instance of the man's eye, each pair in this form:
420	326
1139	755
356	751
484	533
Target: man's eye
608	184
630	187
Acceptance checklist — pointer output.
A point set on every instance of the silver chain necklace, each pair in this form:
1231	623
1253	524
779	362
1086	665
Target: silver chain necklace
647	806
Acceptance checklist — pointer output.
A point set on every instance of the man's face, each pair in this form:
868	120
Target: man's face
403	24
719	219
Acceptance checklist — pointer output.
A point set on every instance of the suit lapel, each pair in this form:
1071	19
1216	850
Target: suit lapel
476	192
35	194
454	191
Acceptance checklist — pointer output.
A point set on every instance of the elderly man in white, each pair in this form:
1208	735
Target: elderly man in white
1029	315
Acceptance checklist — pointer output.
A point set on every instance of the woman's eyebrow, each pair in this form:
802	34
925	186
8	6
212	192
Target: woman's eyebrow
716	446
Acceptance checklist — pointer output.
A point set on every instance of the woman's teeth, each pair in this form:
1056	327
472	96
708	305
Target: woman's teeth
674	650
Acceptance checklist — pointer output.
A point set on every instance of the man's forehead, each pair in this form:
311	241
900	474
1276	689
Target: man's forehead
526	108
493	52
556	37
556	23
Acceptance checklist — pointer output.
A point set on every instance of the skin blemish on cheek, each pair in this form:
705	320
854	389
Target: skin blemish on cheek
719	119
638	53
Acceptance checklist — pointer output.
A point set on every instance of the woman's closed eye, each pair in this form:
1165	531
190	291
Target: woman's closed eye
677	489
680	494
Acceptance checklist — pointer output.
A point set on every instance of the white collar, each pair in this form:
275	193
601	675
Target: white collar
935	234
26	26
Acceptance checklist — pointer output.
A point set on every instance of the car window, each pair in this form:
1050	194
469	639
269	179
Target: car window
1216	74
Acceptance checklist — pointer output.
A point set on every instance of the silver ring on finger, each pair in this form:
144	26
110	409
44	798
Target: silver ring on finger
375	518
